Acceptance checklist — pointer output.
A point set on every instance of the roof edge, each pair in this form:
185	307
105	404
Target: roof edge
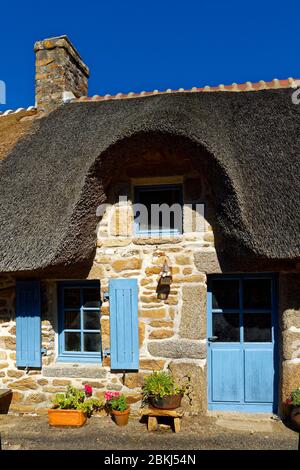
233	88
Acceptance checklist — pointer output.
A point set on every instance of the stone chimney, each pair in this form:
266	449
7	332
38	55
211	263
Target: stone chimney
60	73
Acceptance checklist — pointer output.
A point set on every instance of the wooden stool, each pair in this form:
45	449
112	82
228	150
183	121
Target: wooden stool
154	413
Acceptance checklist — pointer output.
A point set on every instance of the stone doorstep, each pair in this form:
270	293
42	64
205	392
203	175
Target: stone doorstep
236	415
256	422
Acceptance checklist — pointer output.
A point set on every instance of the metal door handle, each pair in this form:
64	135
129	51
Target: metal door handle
213	338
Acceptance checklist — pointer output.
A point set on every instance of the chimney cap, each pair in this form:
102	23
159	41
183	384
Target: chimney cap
65	43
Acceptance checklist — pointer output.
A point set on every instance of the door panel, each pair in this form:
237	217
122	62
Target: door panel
259	375
226	375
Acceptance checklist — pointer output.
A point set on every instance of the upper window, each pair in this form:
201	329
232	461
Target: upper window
79	322
158	209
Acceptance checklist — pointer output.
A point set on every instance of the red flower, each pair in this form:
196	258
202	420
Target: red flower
88	390
288	401
109	395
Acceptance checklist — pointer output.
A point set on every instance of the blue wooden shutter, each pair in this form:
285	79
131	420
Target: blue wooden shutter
124	334
28	324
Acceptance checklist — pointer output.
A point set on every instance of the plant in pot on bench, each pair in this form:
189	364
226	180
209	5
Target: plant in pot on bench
73	407
161	390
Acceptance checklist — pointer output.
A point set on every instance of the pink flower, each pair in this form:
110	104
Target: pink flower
109	395
88	390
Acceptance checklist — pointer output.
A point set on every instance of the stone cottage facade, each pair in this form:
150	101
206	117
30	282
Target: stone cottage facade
72	245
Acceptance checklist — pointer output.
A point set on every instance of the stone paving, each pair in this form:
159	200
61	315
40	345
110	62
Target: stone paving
197	433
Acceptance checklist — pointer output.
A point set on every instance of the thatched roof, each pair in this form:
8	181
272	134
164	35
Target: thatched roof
13	127
53	179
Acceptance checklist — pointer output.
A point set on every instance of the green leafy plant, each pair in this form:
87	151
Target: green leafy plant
70	400
90	405
75	399
294	398
118	403
162	383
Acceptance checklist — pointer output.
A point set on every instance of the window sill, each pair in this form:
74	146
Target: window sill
88	371
77	360
156	240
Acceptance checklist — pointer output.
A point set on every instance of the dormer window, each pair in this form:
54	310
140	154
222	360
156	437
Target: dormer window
158	210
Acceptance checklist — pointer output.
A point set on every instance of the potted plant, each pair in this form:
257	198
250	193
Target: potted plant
161	390
73	407
118	407
293	406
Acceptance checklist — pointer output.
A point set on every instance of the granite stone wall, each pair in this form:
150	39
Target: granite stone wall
289	333
172	330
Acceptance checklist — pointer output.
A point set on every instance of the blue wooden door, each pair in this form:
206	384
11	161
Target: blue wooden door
241	343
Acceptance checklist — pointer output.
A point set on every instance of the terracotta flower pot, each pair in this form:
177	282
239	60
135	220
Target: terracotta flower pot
57	417
295	416
168	402
121	417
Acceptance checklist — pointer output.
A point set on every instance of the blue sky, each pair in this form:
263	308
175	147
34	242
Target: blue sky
140	45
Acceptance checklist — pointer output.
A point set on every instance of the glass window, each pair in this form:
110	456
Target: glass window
225	294
161	211
71	298
257	327
91	341
91	320
257	293
72	319
253	316
72	341
226	327
91	298
80	325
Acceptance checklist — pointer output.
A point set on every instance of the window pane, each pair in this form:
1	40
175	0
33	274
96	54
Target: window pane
155	221
91	297
92	342
226	326
72	298
257	327
257	293
72	320
92	320
72	342
225	294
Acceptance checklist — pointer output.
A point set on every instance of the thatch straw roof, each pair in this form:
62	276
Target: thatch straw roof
53	179
12	128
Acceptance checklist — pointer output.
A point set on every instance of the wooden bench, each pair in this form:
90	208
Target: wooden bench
154	413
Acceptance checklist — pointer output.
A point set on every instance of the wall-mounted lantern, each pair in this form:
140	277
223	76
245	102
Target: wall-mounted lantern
163	287
166	274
